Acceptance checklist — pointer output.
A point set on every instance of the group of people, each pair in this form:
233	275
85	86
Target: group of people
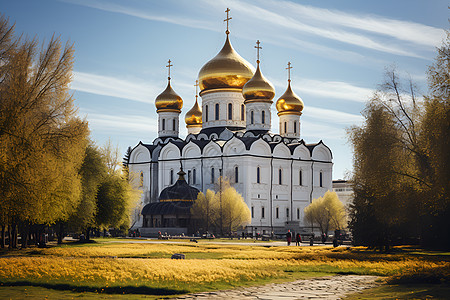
298	238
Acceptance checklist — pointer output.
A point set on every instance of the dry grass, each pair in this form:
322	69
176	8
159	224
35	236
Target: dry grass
208	266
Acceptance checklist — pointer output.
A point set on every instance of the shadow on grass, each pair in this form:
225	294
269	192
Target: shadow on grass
142	290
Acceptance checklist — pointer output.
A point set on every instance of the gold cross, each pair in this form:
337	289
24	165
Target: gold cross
227	19
168	66
289	71
257	50
196	88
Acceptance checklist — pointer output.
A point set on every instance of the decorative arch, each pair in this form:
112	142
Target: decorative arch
234	146
281	150
212	149
301	152
191	150
170	151
260	147
140	154
322	153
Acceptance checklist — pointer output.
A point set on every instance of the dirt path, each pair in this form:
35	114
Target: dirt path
329	287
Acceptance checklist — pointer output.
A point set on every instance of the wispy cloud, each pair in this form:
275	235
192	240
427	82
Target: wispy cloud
110	86
144	12
125	124
335	90
419	34
277	20
327	89
314	131
332	116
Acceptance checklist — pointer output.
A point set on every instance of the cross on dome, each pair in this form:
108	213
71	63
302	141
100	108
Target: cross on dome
168	66
227	19
196	89
257	51
289	71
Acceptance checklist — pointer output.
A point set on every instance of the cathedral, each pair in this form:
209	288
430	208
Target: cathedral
229	135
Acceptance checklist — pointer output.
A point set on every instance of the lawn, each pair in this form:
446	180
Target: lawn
113	267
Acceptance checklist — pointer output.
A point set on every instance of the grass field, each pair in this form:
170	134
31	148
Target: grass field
110	268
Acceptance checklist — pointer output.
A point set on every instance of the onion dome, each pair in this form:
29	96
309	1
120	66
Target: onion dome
168	100
180	191
289	102
258	89
226	70
194	115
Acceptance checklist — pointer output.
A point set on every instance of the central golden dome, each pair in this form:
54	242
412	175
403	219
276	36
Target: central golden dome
168	100
226	70
194	115
289	102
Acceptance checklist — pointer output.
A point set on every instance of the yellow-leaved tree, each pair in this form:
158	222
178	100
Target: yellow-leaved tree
42	141
224	211
327	212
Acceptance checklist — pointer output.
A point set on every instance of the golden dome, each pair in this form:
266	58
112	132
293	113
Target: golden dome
168	100
258	89
289	102
226	70
194	115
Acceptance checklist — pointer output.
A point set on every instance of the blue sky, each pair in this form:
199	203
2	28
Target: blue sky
338	49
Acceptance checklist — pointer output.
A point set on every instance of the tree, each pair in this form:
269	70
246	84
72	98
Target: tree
327	212
204	209
224	211
435	139
232	211
116	196
42	140
402	162
93	171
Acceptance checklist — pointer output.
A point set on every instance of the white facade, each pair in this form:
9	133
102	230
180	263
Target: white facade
268	169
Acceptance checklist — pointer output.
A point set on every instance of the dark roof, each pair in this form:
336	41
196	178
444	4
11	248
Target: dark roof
200	143
219	130
257	132
167	208
248	141
180	191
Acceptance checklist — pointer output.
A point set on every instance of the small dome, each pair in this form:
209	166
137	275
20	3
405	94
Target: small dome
226	70
289	102
194	115
180	191
258	88
168	100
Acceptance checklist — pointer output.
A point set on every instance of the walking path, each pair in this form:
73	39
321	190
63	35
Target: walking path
329	287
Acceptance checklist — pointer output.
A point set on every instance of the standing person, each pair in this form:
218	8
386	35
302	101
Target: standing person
288	237
298	239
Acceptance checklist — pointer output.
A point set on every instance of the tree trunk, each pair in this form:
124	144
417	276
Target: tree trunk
88	234
13	236
60	233
3	242
24	234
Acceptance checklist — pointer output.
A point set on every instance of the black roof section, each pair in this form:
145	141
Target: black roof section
168	208
180	191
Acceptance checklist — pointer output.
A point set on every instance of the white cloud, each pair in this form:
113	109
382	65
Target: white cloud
419	34
332	116
282	19
111	86
327	89
123	124
312	132
334	90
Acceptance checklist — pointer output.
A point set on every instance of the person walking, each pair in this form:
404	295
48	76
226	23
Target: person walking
289	237
298	239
